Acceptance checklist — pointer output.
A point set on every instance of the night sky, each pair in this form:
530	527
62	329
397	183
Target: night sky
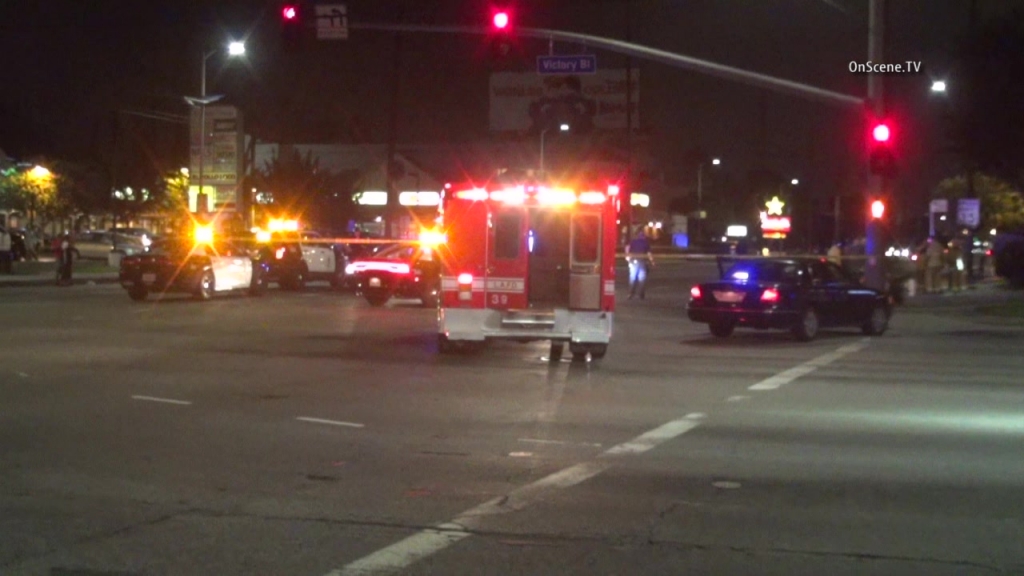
69	65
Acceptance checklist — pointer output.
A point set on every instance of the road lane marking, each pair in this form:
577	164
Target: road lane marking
736	398
331	422
164	400
559	442
787	376
406	552
425	543
659	435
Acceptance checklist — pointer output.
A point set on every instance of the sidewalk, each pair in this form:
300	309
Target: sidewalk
989	299
44	273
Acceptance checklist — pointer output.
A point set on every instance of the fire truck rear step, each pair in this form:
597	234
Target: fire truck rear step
527	319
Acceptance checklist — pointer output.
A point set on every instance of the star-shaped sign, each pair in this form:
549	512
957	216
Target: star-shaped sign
775	206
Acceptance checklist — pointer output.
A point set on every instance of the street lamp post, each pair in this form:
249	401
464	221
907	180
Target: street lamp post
561	128
700	195
234	49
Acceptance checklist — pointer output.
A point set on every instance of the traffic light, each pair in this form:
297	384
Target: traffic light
501	20
292	26
877	210
501	33
881	156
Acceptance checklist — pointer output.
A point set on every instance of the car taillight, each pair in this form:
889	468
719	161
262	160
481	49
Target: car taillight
770	295
695	292
465	286
402	269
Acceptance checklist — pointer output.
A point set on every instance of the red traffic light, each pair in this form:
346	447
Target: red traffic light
877	209
289	12
501	20
881	133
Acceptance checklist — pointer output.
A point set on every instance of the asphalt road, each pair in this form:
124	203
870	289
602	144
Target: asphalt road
310	434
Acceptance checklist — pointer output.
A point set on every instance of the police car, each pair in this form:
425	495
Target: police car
294	258
202	268
400	271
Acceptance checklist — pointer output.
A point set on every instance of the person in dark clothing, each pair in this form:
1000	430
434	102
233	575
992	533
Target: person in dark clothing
640	259
65	256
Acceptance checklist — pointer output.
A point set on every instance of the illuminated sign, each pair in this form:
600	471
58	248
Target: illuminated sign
642	200
773	223
419	198
372	198
736	231
775	206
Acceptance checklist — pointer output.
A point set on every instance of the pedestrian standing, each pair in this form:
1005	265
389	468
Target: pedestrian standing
640	259
65	258
933	256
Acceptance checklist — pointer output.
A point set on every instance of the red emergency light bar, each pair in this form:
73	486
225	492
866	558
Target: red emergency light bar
540	194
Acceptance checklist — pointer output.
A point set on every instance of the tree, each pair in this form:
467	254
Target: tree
1002	205
301	189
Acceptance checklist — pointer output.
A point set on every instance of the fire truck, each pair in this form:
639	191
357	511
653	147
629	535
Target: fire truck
528	261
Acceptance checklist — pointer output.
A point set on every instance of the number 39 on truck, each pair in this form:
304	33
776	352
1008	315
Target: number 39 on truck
529	261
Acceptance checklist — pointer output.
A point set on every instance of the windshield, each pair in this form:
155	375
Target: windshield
399	252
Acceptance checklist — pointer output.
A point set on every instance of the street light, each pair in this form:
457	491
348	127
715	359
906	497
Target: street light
235	48
794	182
938	86
561	128
700	194
39	172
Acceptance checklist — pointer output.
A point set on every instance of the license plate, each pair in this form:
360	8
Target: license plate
730	297
148	278
375	282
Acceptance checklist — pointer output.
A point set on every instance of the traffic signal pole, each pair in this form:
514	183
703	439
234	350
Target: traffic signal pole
874	275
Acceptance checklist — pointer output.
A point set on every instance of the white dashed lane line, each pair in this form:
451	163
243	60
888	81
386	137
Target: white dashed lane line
782	378
425	543
164	400
330	422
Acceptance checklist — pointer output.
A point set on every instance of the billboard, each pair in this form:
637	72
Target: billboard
223	152
528	102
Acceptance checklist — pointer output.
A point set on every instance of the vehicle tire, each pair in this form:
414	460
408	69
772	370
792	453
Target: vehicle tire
877	322
721	329
807	328
429	299
299	280
377	299
259	283
555	352
444	345
138	293
205	289
597	351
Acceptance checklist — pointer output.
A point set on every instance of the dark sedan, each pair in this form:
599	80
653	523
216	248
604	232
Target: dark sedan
801	295
401	271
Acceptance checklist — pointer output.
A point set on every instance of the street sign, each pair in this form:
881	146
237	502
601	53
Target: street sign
939	205
968	212
568	64
331	22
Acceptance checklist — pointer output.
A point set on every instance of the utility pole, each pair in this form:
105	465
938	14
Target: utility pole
874	275
629	127
390	209
972	21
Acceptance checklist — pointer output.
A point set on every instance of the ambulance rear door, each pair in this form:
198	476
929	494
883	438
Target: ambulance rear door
585	288
508	257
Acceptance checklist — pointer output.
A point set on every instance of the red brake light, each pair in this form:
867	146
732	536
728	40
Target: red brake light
466	279
695	292
770	295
